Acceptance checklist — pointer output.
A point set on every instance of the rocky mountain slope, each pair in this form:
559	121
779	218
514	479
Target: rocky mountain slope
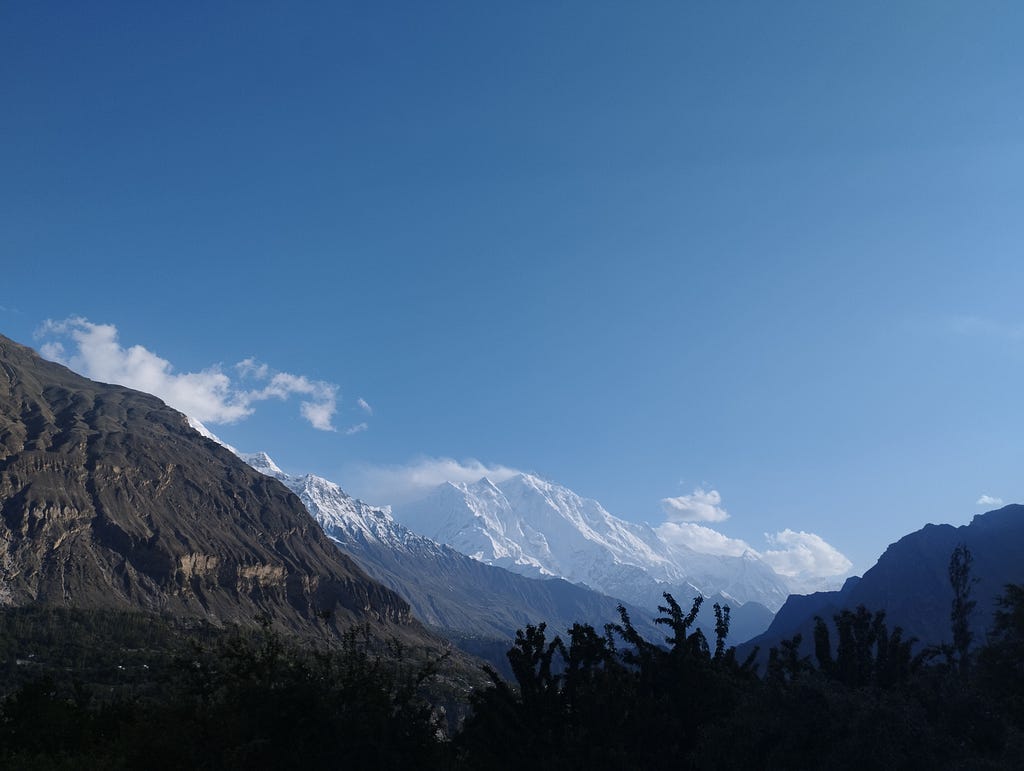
109	499
910	581
447	589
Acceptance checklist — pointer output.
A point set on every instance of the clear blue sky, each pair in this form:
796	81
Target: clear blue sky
774	250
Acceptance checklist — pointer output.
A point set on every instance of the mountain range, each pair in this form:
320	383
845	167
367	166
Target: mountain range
539	528
109	499
457	594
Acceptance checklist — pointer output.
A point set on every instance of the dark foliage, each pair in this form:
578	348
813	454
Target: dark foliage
589	703
107	690
864	701
960	613
210	699
1001	661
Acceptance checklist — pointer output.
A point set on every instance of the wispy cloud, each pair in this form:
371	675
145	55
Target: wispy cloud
364	405
988	500
8	309
700	506
210	395
399	484
358	428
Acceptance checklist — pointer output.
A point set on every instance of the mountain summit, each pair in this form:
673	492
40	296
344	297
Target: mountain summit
536	527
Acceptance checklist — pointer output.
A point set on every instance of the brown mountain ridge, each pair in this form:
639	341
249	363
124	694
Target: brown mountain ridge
109	499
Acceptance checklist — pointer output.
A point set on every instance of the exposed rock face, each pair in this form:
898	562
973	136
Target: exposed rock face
109	499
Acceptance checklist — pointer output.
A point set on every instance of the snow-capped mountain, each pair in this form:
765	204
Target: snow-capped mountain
535	527
343	518
444	587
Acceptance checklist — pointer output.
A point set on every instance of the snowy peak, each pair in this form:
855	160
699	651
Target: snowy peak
342	517
485	487
533	526
262	463
327	502
204	431
483	497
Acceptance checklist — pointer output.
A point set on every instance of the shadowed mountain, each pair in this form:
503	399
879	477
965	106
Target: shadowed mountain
109	499
910	582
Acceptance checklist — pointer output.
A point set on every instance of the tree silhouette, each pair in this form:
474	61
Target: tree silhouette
1002	659
963	606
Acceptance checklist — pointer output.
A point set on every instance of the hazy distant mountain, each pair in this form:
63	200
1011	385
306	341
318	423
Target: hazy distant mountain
446	588
537	528
109	499
910	581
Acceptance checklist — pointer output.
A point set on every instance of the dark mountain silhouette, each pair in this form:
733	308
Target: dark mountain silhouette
910	582
109	499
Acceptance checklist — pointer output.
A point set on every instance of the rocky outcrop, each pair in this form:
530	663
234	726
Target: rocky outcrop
109	499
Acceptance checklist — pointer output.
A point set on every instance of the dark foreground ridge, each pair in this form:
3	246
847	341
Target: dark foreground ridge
910	582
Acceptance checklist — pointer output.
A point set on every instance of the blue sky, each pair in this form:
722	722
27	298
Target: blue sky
773	251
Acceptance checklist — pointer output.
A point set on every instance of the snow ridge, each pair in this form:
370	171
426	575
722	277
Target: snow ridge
535	527
343	518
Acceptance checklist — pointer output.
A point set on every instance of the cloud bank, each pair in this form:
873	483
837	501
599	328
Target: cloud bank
804	558
702	539
210	395
800	554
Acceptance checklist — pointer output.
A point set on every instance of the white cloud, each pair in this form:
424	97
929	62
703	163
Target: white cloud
210	395
319	414
318	410
806	560
356	429
988	500
364	405
404	483
701	506
803	555
702	539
